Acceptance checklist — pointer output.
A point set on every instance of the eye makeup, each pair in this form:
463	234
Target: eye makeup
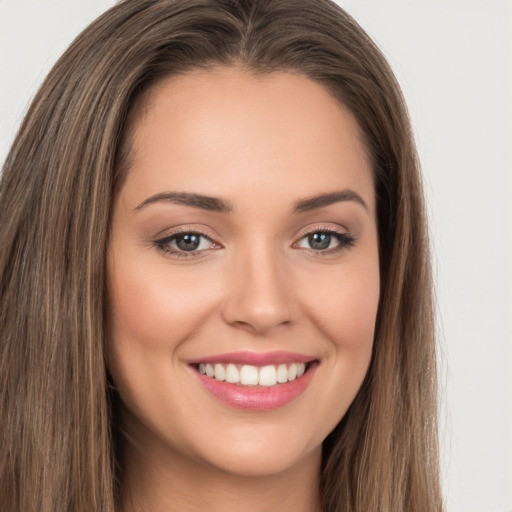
320	240
185	242
325	240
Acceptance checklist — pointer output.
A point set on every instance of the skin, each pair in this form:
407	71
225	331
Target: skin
261	144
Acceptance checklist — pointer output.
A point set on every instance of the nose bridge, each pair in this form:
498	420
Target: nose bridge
258	296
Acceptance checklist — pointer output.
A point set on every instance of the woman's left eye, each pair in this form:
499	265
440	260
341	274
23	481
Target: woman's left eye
185	244
325	241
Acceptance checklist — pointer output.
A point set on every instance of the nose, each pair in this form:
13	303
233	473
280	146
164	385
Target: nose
259	296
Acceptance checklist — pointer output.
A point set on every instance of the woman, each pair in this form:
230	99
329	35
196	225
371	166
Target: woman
215	279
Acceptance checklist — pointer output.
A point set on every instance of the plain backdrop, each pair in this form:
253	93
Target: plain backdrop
453	59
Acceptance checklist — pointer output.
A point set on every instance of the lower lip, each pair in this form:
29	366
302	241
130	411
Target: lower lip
257	398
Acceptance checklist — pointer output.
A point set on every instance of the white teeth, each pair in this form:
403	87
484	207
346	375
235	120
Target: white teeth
249	375
282	374
220	372
268	376
232	374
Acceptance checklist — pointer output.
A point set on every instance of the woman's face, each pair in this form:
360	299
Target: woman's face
243	247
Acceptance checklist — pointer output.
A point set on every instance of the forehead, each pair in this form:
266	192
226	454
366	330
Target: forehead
228	128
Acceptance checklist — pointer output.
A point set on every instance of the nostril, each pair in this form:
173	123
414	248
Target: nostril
255	318
257	297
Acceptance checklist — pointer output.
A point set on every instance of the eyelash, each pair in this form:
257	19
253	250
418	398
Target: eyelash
163	244
345	242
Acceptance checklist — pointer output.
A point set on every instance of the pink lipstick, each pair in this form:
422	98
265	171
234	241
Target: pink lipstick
253	381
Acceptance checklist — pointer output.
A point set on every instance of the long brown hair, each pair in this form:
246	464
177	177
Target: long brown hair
57	426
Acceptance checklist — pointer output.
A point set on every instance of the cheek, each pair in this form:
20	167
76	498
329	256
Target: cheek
152	312
153	309
345	307
345	313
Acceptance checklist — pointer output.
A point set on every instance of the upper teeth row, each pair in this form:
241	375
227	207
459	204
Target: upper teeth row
249	375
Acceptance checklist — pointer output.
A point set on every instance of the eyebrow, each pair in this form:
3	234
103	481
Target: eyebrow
211	204
323	200
214	204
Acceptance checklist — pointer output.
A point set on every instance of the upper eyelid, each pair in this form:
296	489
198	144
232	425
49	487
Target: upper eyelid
341	235
324	228
172	232
168	233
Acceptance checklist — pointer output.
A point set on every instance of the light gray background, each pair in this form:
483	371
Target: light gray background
454	61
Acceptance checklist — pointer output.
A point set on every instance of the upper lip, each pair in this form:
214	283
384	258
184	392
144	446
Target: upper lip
255	358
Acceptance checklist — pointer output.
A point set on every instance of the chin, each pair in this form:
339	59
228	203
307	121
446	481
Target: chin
254	461
258	449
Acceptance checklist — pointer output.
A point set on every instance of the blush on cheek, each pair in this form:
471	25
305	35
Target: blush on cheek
157	311
348	315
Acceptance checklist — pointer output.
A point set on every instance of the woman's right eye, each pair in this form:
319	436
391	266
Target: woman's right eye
185	244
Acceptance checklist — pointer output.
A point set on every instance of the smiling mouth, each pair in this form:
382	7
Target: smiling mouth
255	382
250	376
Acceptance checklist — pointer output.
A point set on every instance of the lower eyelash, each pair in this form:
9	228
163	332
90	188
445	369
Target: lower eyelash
180	254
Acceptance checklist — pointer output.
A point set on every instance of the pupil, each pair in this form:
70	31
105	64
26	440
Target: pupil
188	242
319	241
